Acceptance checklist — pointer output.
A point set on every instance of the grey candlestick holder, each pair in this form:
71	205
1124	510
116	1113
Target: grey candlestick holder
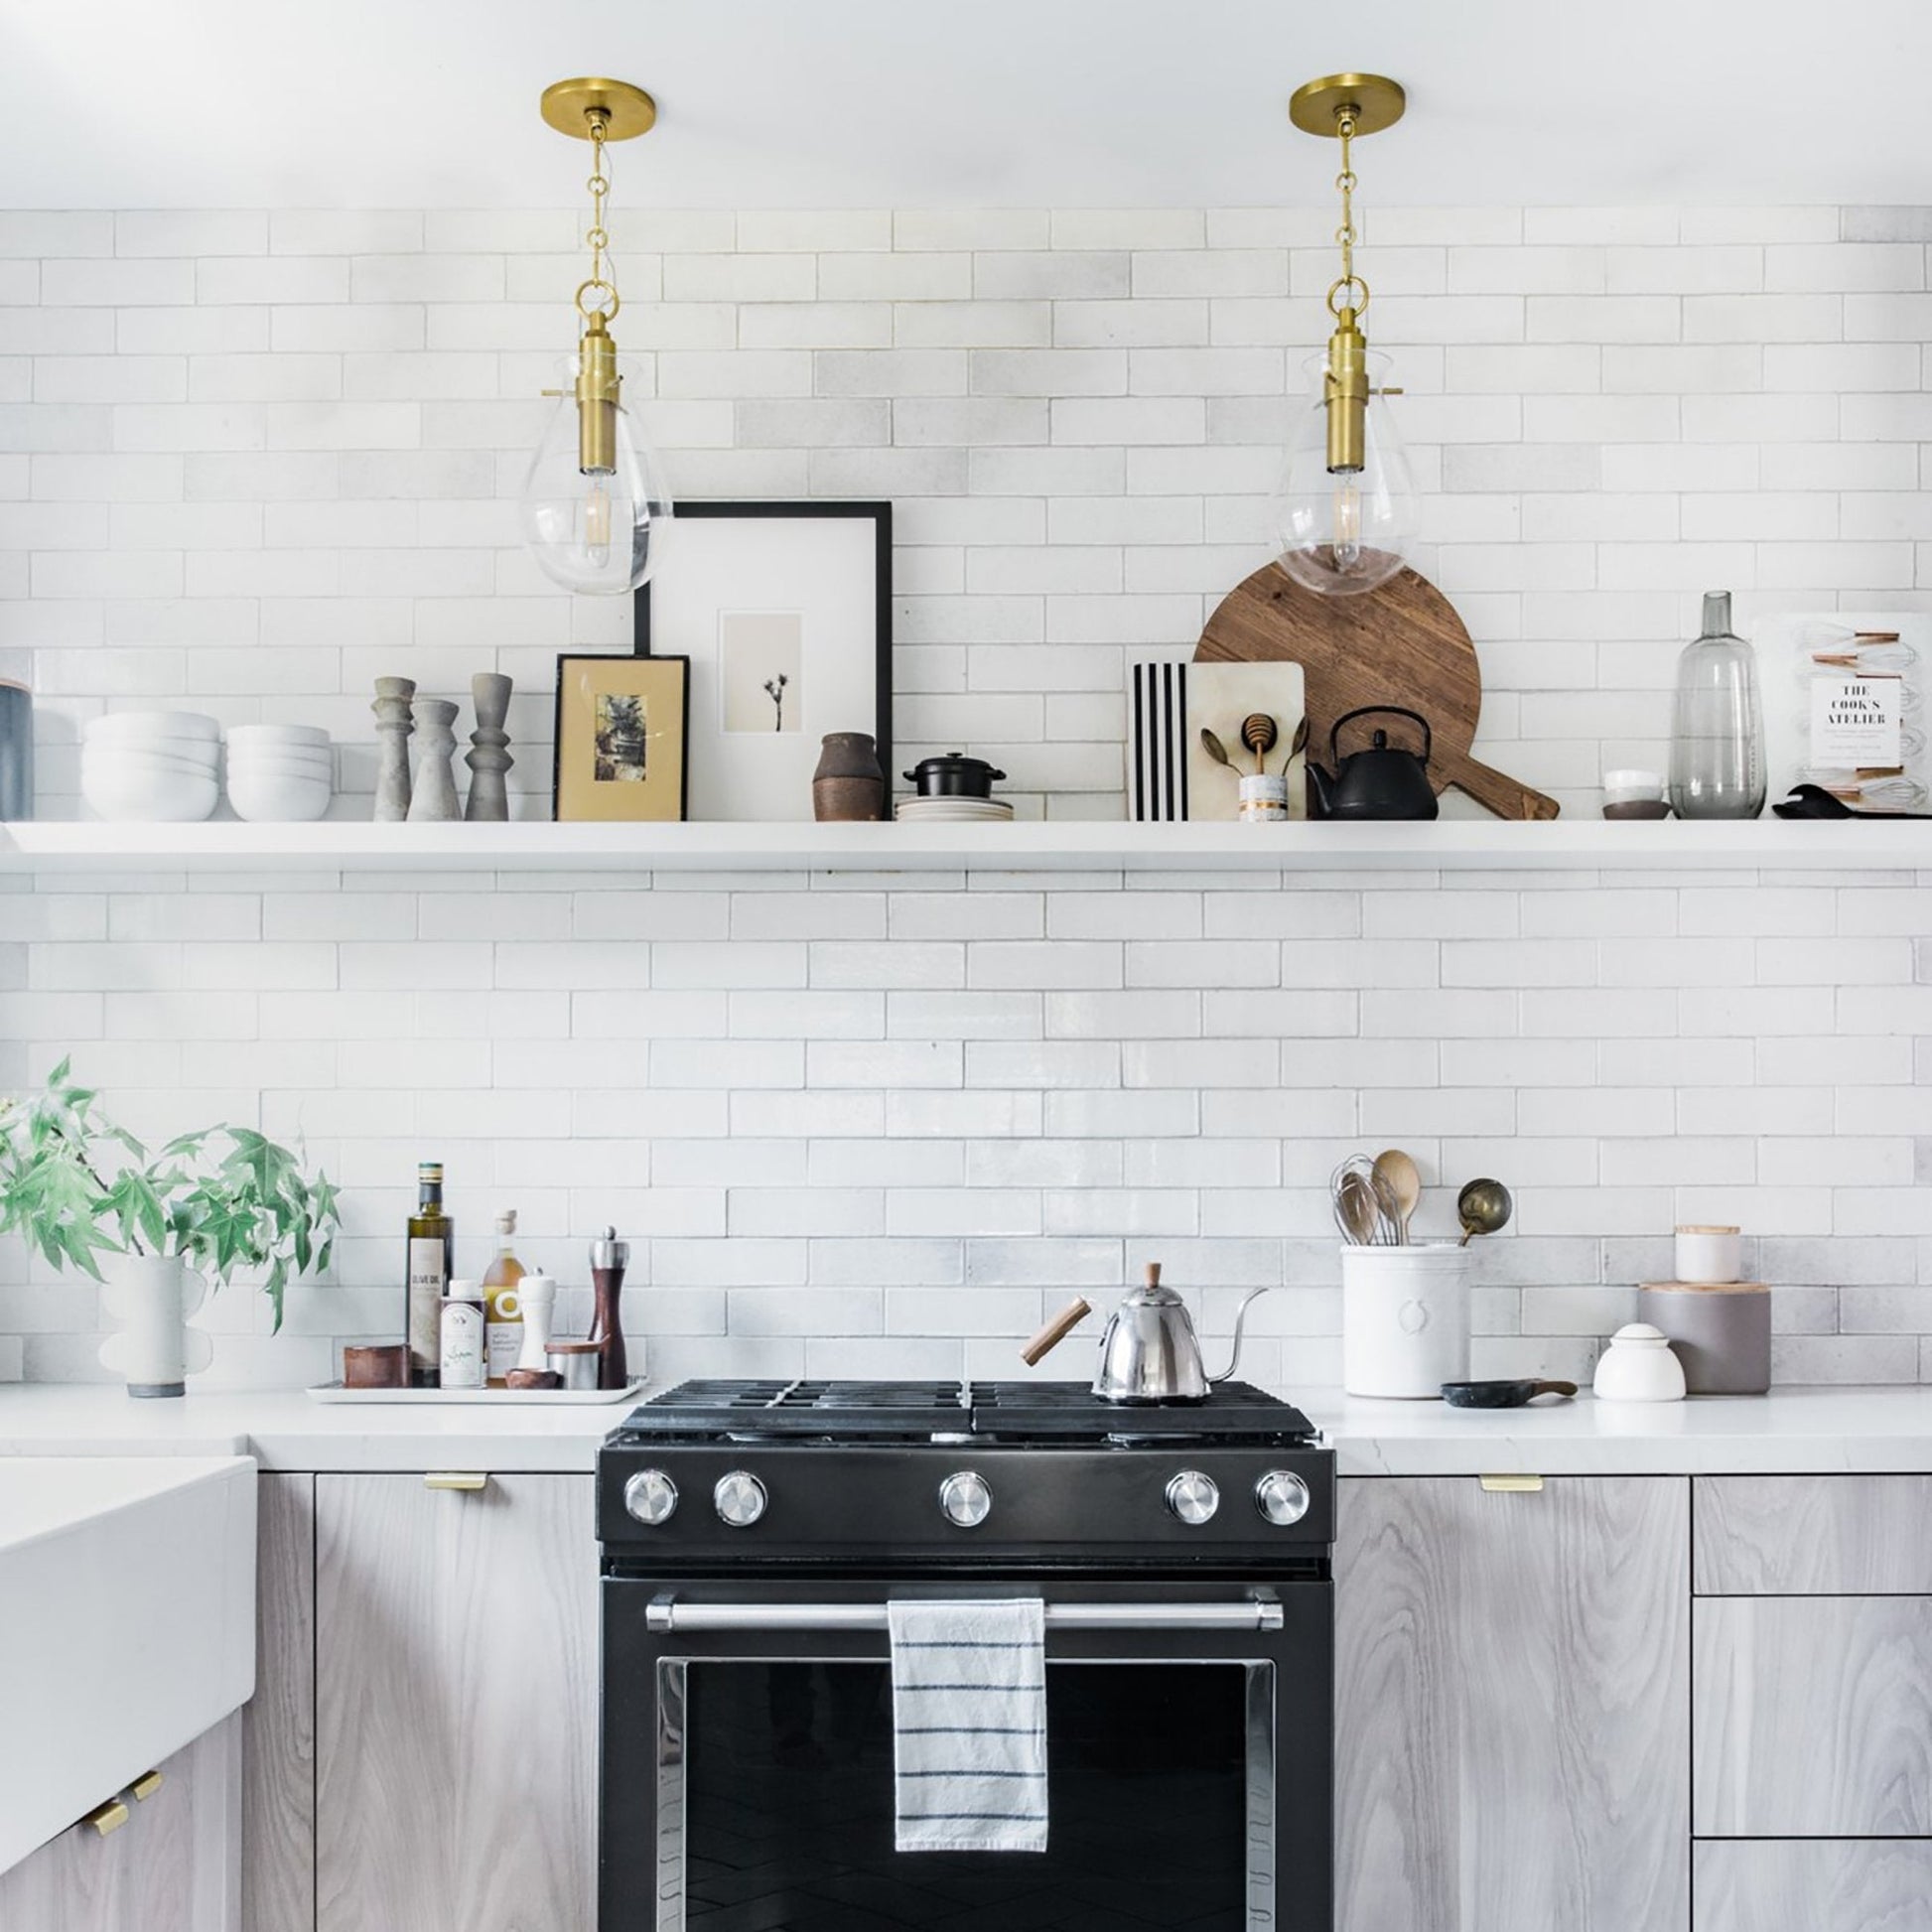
393	725
488	756
432	799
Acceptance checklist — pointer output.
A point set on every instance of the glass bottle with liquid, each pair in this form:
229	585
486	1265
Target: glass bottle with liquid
1717	755
504	1305
429	1263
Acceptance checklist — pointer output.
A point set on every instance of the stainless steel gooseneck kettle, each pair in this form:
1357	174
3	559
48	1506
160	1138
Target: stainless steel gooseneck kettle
1149	1351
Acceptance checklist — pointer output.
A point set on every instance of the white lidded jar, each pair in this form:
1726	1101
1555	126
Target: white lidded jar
1405	1318
1639	1366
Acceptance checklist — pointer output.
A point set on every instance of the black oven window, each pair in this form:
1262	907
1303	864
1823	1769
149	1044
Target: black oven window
788	1813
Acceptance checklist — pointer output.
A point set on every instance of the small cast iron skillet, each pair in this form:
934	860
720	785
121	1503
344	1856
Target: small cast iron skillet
1500	1395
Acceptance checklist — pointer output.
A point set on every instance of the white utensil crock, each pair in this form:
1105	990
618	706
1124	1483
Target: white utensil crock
151	1295
1405	1318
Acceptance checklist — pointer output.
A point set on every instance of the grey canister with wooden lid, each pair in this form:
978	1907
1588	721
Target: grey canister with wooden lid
1721	1332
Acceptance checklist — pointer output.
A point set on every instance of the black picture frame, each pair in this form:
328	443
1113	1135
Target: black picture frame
881	515
569	658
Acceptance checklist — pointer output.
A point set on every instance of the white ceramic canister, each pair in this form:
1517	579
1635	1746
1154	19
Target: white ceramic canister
1405	1318
1264	797
1710	1255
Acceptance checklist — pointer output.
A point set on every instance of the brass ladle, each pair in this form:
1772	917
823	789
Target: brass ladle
1483	1208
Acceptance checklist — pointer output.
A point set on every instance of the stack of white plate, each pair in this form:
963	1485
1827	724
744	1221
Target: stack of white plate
152	765
954	811
280	772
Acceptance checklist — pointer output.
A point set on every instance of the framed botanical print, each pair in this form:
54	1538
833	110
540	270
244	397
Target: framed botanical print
785	612
621	724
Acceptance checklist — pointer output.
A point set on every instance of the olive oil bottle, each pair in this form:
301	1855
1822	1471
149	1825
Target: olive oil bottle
430	1261
504	1305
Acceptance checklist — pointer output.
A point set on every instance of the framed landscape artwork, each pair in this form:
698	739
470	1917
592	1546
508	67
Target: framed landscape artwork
786	613
621	739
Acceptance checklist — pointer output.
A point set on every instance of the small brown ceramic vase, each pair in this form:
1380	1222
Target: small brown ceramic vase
848	784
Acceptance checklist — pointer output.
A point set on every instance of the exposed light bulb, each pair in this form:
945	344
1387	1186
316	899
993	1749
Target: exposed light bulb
595	537
1345	526
1344	530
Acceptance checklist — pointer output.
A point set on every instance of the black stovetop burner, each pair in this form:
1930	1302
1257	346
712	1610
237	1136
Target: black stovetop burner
912	1412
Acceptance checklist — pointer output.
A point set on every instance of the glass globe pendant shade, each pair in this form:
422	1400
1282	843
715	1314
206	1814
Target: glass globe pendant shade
599	530
1342	532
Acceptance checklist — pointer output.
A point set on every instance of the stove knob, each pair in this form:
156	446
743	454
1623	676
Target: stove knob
650	1497
1282	1497
1193	1497
740	1498
966	1499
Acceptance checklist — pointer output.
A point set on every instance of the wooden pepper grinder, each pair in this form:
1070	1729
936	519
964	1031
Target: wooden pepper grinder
610	1257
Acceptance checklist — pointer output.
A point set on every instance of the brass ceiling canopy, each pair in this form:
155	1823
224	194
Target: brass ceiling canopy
1370	101
570	106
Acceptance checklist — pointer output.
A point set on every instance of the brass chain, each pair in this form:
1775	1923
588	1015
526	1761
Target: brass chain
601	278
1348	284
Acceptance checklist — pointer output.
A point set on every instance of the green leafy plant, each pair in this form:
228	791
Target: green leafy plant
80	1187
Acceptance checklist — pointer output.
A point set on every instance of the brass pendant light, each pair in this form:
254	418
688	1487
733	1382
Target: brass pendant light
595	509
1345	512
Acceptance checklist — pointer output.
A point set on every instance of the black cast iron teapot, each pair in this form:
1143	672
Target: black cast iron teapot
1380	782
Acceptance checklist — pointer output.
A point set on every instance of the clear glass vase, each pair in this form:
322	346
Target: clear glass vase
1716	759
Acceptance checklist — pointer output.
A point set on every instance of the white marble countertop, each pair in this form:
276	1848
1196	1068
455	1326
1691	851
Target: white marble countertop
1792	1431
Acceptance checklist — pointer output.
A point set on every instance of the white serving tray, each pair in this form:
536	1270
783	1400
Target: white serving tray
335	1392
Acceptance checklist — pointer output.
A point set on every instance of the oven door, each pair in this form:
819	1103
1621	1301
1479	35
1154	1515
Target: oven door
748	1764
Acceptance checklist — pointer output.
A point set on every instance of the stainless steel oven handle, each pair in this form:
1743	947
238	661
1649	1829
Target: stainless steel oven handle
666	1614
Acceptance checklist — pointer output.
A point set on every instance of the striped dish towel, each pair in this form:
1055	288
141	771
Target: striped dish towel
969	1721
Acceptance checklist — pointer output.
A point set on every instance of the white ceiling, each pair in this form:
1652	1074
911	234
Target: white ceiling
835	104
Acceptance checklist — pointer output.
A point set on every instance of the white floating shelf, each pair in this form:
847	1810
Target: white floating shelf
1446	845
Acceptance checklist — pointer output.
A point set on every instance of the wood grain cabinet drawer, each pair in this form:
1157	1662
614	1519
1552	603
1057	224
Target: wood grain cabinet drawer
1827	1536
1856	1885
1811	1717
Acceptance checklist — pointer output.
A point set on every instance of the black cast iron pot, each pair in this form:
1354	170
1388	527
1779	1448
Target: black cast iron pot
953	775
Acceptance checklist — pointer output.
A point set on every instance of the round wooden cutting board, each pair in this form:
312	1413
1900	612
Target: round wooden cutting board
1399	644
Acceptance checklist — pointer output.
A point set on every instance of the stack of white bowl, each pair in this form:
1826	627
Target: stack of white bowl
280	772
152	765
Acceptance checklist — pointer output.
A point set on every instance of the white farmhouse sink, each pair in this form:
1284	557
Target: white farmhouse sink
127	1624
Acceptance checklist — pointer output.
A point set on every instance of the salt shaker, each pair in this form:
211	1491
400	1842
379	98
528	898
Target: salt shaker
538	1294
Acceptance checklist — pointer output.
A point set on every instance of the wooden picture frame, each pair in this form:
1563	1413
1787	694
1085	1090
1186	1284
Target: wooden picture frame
785	605
602	774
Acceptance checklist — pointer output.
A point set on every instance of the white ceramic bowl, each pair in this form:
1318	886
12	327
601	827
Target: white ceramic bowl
120	725
278	770
170	744
264	798
318	757
150	797
113	764
253	736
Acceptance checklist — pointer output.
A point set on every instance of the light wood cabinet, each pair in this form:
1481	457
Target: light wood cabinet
1813	1536
1813	1717
455	1705
174	1866
1826	1885
278	1793
1512	1705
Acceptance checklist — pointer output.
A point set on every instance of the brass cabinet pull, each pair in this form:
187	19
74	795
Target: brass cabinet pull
106	1818
1512	1485
146	1785
455	1479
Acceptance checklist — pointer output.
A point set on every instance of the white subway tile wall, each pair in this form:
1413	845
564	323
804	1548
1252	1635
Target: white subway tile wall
896	1122
249	462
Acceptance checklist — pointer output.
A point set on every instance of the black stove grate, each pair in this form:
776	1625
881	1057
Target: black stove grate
855	1412
1041	1409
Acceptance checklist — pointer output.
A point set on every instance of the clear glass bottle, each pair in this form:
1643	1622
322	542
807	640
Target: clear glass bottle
1716	757
503	1313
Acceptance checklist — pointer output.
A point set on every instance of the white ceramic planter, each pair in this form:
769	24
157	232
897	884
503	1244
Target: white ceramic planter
151	1297
1404	1320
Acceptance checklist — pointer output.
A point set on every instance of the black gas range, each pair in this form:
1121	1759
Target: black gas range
753	1533
939	1476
